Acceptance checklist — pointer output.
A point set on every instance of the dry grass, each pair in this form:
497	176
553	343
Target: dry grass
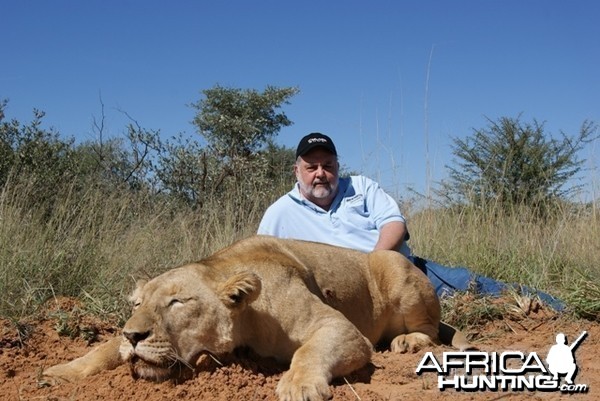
93	245
559	254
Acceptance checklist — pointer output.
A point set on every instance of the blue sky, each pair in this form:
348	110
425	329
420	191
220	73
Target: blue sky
390	81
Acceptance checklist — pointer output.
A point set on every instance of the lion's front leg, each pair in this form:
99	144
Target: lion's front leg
104	357
335	349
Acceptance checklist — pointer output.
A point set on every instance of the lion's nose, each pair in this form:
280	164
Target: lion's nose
135	337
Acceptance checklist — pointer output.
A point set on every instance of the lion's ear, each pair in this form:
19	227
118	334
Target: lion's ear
240	289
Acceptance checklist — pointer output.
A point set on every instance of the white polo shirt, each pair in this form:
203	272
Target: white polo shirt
354	219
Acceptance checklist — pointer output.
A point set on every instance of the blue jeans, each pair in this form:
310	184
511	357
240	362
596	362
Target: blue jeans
447	280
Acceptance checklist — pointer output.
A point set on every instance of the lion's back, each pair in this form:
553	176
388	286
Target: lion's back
339	277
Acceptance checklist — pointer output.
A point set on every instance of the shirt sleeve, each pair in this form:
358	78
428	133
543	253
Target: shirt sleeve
267	224
383	207
274	221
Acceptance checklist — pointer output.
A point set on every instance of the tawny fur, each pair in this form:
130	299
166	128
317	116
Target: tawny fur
320	308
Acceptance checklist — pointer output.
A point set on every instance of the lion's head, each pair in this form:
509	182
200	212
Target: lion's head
181	314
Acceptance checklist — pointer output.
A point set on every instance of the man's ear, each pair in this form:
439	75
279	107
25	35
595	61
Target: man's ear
240	289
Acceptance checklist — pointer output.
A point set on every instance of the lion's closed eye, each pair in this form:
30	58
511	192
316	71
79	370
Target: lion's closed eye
178	301
175	302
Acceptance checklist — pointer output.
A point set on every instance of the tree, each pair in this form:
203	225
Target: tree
8	136
239	126
513	163
42	159
237	123
30	152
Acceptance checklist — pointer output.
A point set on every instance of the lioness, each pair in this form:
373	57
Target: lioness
317	306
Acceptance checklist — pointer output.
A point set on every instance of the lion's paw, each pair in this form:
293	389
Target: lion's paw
412	342
61	373
302	386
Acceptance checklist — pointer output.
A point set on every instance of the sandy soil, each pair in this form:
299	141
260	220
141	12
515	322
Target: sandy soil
245	377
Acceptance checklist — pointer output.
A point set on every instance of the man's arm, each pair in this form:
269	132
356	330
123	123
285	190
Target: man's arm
391	235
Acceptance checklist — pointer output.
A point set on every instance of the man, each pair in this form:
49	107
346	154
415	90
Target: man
560	359
354	212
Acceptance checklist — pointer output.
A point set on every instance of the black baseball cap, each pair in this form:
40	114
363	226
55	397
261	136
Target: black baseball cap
313	140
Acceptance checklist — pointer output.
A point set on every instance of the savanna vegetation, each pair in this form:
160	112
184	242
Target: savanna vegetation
86	220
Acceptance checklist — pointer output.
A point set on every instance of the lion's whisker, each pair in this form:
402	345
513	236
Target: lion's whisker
352	388
177	359
214	358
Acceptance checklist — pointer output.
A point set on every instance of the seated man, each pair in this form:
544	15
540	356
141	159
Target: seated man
354	212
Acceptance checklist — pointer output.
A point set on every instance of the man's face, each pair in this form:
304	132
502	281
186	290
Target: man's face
317	175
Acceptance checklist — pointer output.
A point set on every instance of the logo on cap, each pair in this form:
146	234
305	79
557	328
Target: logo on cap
314	140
